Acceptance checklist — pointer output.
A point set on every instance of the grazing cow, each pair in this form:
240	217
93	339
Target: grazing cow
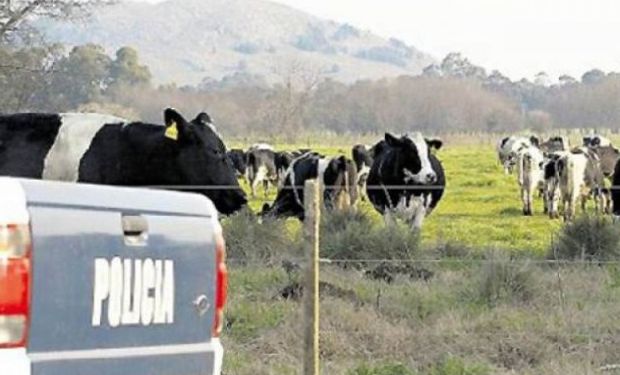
554	144
334	174
608	156
406	179
106	150
282	161
363	158
580	178
261	161
615	192
238	158
551	188
595	140
509	147
531	176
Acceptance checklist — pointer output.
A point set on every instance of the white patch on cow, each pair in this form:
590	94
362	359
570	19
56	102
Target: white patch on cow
412	212
321	168
425	162
291	176
508	152
259	176
261	146
75	135
531	175
362	177
572	184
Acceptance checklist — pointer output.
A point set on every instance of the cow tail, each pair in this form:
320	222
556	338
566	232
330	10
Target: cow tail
570	183
251	167
347	188
522	169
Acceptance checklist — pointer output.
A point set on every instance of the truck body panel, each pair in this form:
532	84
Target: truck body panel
123	281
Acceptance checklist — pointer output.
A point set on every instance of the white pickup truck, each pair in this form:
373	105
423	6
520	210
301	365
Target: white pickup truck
98	280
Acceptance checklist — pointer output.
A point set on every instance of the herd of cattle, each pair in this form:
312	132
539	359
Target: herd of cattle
563	176
400	175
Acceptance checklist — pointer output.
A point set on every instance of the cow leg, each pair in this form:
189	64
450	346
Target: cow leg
259	177
524	200
418	217
266	187
584	199
389	219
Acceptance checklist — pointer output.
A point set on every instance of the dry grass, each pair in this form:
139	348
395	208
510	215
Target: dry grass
568	323
480	312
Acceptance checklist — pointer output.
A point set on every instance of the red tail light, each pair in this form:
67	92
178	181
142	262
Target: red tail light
221	282
15	248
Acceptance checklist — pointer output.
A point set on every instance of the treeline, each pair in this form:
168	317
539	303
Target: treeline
452	96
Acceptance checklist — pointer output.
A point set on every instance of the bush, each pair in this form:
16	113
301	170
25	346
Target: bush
502	278
456	366
382	369
247	239
587	238
353	235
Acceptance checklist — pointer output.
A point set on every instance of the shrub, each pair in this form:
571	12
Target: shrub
382	369
247	239
502	278
353	235
587	238
456	366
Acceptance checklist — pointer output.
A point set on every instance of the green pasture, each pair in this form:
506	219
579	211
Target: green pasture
481	207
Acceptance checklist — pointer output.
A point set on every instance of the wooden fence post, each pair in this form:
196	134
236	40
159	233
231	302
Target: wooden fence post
311	282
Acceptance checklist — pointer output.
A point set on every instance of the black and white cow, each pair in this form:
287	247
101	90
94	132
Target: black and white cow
595	140
336	176
283	160
581	178
551	189
555	144
530	164
363	157
107	150
508	149
261	161
406	179
238	159
608	156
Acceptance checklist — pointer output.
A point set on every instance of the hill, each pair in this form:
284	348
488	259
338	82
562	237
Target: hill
191	41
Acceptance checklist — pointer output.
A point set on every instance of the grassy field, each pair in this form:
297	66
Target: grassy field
481	207
485	305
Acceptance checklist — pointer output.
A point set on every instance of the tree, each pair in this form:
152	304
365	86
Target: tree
126	69
14	13
593	76
81	77
25	75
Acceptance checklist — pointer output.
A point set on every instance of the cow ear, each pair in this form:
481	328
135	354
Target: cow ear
203	118
535	141
175	124
342	162
392	141
434	143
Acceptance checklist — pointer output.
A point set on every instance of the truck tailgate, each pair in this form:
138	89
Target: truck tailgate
126	286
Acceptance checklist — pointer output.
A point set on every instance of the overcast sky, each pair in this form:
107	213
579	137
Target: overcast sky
518	37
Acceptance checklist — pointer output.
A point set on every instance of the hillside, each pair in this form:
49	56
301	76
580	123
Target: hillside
188	41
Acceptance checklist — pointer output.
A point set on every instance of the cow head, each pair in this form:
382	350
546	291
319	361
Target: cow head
200	160
238	159
339	179
413	157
